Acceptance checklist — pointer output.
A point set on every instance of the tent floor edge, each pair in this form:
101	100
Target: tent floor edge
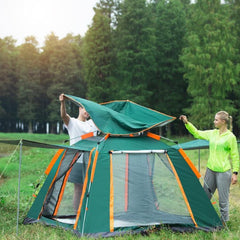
29	220
143	230
192	229
146	231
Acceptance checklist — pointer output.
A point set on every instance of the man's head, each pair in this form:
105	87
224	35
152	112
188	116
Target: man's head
83	114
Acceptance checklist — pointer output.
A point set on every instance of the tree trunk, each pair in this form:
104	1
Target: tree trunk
30	129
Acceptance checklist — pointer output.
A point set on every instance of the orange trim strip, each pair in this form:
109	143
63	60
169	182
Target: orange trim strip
126	184
58	170
94	165
111	205
84	190
87	135
54	159
154	136
182	191
189	162
64	185
107	136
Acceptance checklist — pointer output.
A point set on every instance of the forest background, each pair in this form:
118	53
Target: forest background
172	56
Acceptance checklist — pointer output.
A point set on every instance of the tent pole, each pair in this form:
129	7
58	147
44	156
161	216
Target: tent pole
85	212
199	160
19	179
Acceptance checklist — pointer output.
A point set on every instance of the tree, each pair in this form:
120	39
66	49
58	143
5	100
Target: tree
135	44
168	85
98	55
208	60
8	101
234	6
28	81
62	72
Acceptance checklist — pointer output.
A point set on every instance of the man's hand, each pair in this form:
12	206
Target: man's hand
61	97
65	117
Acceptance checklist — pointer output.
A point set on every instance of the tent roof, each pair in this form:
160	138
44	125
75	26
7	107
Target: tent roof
122	117
86	145
194	144
29	143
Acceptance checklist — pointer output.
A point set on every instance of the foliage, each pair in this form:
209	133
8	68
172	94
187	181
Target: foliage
135	44
209	58
28	73
235	93
170	28
8	80
98	56
170	55
62	63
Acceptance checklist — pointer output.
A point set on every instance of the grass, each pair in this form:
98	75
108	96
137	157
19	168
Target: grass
35	161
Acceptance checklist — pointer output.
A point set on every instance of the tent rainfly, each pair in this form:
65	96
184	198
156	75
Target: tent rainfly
132	180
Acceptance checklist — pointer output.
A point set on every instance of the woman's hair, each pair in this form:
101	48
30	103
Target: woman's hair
225	116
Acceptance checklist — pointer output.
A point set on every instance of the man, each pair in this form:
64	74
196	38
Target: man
76	128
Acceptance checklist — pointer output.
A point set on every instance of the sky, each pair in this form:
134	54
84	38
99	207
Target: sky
38	18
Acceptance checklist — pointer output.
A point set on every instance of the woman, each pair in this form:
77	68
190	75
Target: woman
222	144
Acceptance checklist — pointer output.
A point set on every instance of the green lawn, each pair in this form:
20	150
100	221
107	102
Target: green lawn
34	163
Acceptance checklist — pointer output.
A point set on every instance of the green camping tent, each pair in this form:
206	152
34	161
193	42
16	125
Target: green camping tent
131	179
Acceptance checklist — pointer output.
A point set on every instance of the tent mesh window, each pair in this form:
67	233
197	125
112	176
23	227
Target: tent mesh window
146	191
64	196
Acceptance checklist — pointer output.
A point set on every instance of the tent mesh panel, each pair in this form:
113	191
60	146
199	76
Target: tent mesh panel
146	191
60	199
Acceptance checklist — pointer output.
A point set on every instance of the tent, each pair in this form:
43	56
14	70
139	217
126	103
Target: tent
132	180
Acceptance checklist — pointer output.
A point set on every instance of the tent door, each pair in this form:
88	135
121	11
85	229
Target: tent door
64	195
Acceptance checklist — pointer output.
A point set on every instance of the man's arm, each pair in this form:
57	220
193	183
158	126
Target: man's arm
65	117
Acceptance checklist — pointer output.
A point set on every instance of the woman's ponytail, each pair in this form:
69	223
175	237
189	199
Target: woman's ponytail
230	123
